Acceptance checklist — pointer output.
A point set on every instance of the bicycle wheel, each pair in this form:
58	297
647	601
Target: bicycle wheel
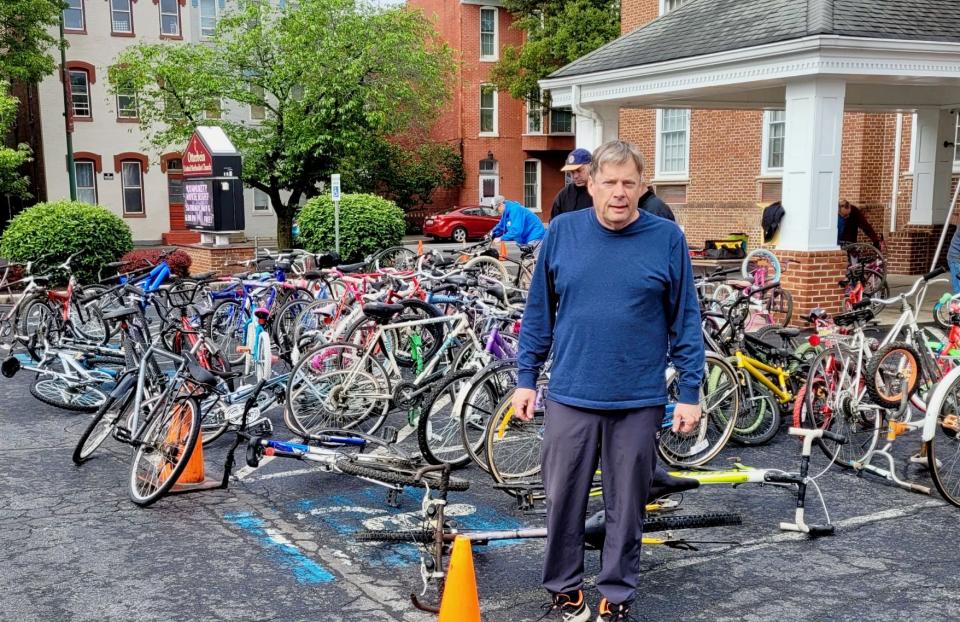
438	427
164	450
513	446
762	260
893	369
34	314
335	387
318	319
780	302
260	358
719	406
400	339
391	473
943	451
488	266
285	323
88	323
114	409
226	326
759	418
395	257
835	401
480	400
78	397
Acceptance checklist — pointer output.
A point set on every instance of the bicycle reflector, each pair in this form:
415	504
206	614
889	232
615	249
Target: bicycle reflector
814	340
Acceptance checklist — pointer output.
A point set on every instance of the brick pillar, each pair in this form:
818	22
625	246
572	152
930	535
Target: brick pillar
813	281
219	259
910	250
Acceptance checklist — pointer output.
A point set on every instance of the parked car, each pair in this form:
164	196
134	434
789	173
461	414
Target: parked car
462	224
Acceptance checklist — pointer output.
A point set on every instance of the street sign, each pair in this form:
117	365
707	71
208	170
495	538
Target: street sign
335	187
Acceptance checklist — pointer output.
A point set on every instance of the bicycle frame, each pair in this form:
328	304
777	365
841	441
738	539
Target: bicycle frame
758	369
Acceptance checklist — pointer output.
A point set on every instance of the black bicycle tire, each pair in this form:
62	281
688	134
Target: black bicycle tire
482	377
193	437
772	429
208	328
423	421
873	366
63	405
691	521
436	330
78	451
418	536
390	474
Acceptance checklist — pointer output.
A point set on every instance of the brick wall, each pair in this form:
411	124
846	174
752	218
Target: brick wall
219	259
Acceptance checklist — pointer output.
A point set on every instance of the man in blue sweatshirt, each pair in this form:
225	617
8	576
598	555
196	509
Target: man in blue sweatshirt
613	297
517	223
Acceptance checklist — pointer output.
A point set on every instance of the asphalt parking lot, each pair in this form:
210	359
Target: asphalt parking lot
278	545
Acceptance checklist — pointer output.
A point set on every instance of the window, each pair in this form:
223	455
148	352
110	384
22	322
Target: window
488	33
208	18
73	18
80	93
489	180
672	145
86	181
261	201
774	131
170	18
531	185
257	111
121	17
131	178
561	121
175	181
488	109
669	5
534	115
126	103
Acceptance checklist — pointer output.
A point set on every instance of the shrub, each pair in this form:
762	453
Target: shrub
178	261
54	231
368	223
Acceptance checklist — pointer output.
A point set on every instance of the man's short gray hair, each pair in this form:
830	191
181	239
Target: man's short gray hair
615	152
497	200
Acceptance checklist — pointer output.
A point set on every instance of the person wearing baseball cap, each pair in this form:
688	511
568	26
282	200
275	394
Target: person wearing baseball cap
574	196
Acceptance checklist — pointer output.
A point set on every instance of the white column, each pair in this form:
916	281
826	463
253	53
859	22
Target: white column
932	166
811	168
594	125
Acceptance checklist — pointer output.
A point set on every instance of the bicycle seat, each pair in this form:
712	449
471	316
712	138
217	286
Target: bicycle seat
527	249
351	268
381	311
121	314
312	274
204	276
459	280
787	333
495	290
262	313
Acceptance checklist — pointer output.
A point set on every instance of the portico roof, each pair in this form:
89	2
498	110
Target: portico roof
741	53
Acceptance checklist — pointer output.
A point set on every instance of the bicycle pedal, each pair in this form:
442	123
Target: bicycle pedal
122	434
263	427
389	434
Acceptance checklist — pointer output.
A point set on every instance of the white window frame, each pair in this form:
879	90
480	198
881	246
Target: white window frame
83	17
663	6
683	175
573	123
496	111
539	185
124	188
765	169
93	175
496	34
178	15
216	18
129	13
73	106
266	206
531	109
136	105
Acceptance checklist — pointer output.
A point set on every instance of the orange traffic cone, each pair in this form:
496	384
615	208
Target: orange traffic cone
460	602
503	250
420	248
193	473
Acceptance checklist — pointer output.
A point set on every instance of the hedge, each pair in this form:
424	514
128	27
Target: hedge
178	261
54	231
368	223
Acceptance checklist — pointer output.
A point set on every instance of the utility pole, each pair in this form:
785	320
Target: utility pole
67	112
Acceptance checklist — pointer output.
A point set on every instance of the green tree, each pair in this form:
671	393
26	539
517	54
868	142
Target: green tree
333	78
25	39
409	171
12	181
557	33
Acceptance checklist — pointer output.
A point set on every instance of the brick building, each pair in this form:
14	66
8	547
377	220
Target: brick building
737	104
508	147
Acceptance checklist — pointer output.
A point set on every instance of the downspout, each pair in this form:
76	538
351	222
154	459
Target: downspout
896	173
578	110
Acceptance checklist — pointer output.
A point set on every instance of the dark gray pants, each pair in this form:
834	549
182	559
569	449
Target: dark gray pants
624	442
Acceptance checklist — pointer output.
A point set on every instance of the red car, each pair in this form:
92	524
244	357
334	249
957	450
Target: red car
472	221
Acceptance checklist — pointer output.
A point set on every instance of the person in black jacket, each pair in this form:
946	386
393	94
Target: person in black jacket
850	220
655	205
574	196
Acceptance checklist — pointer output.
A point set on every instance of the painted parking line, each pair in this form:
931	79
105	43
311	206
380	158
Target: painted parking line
304	569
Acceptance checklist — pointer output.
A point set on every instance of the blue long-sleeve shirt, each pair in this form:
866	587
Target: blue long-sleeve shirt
613	305
518	224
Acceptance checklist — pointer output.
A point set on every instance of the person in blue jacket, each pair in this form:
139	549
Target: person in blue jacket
517	223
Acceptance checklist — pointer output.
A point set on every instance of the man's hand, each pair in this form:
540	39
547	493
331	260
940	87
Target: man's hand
524	402
685	417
